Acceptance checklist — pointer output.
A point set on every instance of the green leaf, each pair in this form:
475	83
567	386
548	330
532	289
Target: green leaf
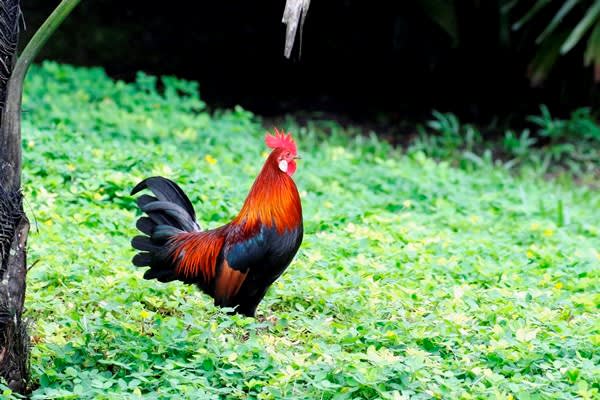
591	17
545	57
557	19
537	7
592	51
443	13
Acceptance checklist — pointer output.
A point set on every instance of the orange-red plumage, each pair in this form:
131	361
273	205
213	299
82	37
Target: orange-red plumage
229	282
195	254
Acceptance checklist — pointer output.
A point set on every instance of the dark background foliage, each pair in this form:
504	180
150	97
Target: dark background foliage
378	60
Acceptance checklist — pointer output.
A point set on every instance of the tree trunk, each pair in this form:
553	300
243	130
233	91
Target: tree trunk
14	226
14	339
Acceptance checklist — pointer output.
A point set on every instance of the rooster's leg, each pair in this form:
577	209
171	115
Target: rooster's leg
249	302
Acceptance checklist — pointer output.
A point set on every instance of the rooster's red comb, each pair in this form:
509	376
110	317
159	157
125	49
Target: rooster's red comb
280	139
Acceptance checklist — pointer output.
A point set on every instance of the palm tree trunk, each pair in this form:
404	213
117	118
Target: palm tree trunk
14	226
14	340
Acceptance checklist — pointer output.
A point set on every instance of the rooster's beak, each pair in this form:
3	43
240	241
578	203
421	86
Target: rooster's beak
297	157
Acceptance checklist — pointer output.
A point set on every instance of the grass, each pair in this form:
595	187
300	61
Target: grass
416	279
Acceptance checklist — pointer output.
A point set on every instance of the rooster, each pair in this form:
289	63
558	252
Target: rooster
235	263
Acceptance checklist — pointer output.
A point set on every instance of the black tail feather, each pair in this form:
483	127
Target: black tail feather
166	190
142	259
145	199
164	232
162	275
159	218
144	243
145	225
181	218
169	212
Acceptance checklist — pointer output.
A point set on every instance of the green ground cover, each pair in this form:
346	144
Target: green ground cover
416	278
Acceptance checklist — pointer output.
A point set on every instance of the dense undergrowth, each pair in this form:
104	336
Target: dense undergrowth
552	147
416	279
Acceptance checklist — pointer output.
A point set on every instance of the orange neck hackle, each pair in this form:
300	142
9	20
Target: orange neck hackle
273	200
